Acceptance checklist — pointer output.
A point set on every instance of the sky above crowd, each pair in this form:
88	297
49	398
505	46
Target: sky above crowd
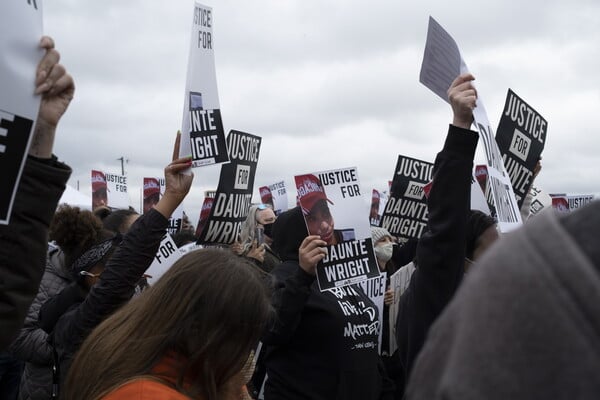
326	84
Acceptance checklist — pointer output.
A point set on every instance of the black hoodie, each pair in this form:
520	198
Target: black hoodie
322	345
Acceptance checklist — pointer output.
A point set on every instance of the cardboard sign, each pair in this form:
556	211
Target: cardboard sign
109	190
20	30
521	137
165	257
275	195
442	63
333	208
399	282
202	133
234	192
378	202
153	190
375	290
405	214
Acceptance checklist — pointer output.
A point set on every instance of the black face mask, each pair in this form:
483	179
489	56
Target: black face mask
267	228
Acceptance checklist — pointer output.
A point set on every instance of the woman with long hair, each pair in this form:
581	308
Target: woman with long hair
188	336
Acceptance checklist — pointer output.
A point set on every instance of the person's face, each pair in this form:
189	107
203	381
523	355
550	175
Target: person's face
265	217
320	222
151	201
99	198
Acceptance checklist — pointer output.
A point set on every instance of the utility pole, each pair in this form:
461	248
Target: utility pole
123	162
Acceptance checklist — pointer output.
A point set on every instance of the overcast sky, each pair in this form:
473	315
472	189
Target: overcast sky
326	84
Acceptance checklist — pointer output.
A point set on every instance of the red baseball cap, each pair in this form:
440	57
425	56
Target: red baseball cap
310	191
151	186
98	180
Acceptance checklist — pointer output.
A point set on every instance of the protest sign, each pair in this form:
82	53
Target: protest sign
165	257
578	201
378	202
481	175
560	202
350	257
204	214
202	133
154	189
521	137
442	63
399	282
405	214
234	192
375	290
539	200
20	30
109	190
275	195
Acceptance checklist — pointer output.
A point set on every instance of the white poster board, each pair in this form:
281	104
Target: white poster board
399	282
20	34
165	257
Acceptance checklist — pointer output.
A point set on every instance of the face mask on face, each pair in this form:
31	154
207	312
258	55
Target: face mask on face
267	229
384	251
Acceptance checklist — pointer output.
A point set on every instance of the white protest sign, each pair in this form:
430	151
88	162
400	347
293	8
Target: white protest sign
539	200
109	190
21	31
165	257
578	201
153	190
202	133
442	63
399	282
478	201
275	195
375	290
333	208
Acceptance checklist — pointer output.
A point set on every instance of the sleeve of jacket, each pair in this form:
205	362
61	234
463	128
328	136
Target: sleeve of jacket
117	282
292	288
24	241
56	306
441	249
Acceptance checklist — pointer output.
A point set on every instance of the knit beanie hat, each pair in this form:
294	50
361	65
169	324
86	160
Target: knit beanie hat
379	233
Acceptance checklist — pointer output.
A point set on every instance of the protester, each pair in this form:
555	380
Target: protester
525	323
189	336
441	249
23	242
74	231
256	238
311	352
113	283
312	197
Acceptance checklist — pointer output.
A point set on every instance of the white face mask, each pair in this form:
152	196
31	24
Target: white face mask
384	251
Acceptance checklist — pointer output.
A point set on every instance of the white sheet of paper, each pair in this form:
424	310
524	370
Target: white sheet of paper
166	256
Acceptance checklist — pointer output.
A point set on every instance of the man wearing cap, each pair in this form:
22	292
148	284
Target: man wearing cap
99	190
151	193
313	201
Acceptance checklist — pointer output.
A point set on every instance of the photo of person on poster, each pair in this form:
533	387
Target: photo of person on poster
151	193
315	208
99	190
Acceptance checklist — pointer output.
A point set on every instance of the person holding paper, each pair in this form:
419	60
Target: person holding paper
23	242
441	249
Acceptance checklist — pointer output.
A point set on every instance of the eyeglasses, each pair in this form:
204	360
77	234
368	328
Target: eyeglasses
263	206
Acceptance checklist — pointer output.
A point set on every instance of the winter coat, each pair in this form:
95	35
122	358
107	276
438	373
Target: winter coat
32	344
24	241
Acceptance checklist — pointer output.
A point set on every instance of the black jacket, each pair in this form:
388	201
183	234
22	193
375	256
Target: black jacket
24	242
115	287
441	249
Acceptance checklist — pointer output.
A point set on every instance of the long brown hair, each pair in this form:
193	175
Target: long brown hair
210	308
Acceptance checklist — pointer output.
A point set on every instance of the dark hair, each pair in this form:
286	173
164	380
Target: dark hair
75	231
477	223
289	230
209	310
115	220
184	237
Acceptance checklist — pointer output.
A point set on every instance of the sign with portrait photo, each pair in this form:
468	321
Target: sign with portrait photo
109	190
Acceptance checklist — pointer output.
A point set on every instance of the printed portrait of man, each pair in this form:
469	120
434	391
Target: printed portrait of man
99	190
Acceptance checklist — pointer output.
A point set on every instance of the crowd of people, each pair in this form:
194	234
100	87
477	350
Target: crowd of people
79	320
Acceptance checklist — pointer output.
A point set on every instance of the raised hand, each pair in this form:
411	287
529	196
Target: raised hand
463	96
312	250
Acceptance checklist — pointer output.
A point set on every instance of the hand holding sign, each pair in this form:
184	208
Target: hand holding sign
311	251
57	89
257	252
177	184
462	96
